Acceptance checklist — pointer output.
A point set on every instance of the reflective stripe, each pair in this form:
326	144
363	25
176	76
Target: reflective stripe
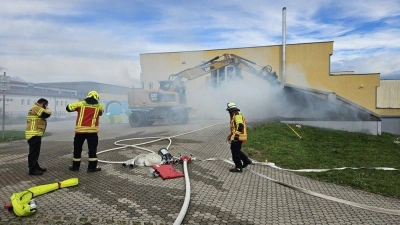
39	113
96	114
92	159
81	114
76	159
81	129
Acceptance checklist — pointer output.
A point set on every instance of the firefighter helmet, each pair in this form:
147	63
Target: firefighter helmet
93	94
230	106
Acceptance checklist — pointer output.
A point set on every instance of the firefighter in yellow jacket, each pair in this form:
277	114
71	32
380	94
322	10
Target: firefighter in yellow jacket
86	128
238	135
35	128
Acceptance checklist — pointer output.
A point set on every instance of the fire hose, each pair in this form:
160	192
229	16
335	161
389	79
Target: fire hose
303	190
185	206
187	181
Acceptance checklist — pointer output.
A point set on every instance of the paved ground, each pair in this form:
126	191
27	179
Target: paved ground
122	195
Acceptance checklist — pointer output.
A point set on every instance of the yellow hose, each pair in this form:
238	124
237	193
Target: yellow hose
293	130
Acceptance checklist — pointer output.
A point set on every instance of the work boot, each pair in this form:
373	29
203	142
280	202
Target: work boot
235	170
245	164
75	166
97	169
35	172
92	167
42	169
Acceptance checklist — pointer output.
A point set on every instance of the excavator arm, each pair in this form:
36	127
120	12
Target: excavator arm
175	81
264	72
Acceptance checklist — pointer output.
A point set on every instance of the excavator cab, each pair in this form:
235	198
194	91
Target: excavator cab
180	88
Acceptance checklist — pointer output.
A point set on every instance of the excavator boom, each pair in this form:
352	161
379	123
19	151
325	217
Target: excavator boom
169	102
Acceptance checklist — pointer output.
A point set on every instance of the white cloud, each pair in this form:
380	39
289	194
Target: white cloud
92	40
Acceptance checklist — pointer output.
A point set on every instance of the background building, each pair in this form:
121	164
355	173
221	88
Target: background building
307	66
22	95
113	97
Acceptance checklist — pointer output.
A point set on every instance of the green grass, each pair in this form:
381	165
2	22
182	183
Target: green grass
11	135
15	135
324	149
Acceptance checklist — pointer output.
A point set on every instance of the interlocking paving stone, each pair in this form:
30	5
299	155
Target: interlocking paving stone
124	195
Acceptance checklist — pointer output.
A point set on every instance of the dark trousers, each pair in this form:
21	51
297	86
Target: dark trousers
238	156
34	151
92	142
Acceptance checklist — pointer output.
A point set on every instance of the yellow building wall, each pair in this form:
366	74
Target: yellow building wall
307	65
358	88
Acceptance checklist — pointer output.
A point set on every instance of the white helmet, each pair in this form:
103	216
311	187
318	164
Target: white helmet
230	106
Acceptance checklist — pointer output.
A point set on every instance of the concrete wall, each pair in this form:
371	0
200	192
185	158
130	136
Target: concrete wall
391	125
367	127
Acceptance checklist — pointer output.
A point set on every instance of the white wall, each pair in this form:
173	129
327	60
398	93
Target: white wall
19	105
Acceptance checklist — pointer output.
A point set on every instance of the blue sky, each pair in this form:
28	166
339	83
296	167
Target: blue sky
98	40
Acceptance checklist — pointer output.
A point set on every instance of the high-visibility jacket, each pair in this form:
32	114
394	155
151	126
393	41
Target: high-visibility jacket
238	127
87	120
36	121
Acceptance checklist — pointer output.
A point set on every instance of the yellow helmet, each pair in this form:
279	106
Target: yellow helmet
93	94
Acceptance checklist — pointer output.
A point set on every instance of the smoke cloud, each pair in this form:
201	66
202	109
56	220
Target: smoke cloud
259	100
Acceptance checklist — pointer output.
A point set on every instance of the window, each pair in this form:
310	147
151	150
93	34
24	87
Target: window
57	103
22	102
223	76
28	102
230	73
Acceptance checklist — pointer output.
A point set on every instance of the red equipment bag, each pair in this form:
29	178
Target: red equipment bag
167	171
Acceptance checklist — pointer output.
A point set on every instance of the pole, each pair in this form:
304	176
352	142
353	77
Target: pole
283	81
4	107
55	106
